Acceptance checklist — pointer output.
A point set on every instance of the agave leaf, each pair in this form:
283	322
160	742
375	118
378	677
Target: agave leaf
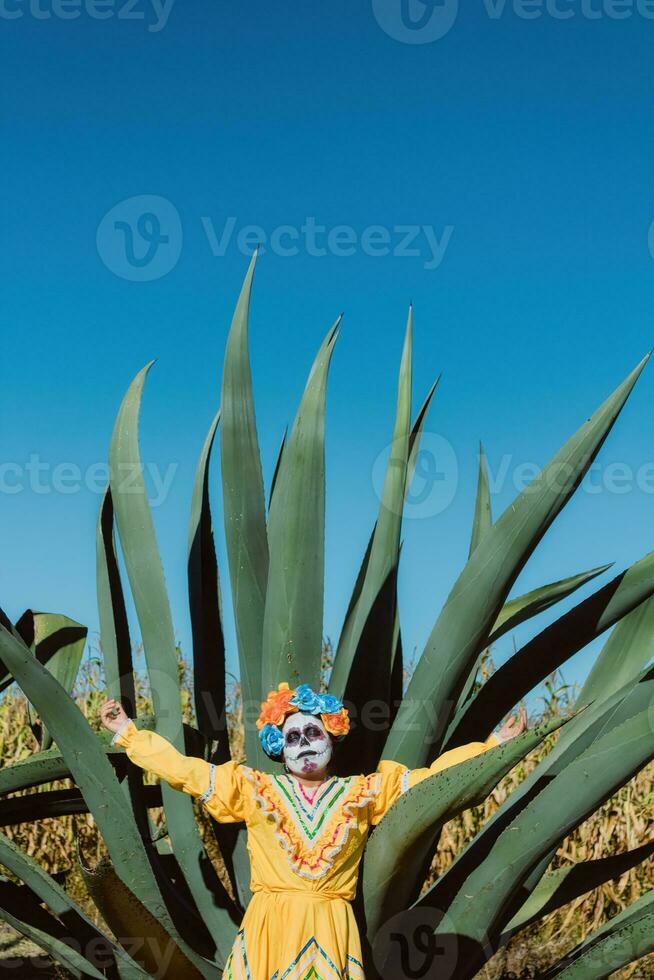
206	613
524	607
474	603
130	920
116	647
483	519
237	859
41	767
114	628
6	678
384	551
143	564
358	586
5	621
142	561
594	721
415	435
278	463
94	776
403	842
604	714
292	625
560	806
414	450
59	642
519	610
371	689
550	648
62	635
48	890
564	885
208	639
626	937
5	675
46	766
32	807
626	651
397	667
244	513
481	524
28	918
232	841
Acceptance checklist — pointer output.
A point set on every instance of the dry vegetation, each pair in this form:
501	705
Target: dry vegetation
624	822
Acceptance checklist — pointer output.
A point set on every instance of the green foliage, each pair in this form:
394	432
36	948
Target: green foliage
164	884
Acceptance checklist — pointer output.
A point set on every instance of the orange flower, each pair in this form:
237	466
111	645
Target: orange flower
276	707
338	724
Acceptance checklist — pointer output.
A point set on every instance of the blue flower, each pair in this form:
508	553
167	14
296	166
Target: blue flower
272	740
330	704
306	700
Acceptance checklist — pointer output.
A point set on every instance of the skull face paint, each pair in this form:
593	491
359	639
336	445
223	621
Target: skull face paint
307	745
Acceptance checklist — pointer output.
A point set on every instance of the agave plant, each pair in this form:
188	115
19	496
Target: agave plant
172	914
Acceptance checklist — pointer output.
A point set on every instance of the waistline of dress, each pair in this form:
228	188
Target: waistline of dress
303	893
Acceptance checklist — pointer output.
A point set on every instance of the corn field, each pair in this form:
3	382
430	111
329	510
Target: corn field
624	822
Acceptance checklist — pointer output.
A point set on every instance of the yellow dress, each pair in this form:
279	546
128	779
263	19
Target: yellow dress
304	856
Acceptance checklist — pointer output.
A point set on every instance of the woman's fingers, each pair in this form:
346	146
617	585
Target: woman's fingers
112	714
516	724
521	723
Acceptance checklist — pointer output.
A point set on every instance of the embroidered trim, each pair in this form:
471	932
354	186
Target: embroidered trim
212	779
311	954
404	782
314	862
242	964
317	814
123	726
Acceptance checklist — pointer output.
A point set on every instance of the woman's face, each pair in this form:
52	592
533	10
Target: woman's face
307	745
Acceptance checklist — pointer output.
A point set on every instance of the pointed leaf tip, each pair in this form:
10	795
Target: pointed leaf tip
641	364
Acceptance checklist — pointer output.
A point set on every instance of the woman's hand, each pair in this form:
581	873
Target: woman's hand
112	714
516	725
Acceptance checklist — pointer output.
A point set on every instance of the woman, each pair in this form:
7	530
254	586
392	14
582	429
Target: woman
306	829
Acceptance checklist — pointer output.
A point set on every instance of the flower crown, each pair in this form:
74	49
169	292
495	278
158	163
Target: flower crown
284	702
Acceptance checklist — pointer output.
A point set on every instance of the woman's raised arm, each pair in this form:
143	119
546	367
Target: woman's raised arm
396	779
219	788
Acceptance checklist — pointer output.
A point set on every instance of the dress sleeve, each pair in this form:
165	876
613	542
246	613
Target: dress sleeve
396	779
219	788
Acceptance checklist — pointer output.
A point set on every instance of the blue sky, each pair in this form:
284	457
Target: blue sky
516	150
